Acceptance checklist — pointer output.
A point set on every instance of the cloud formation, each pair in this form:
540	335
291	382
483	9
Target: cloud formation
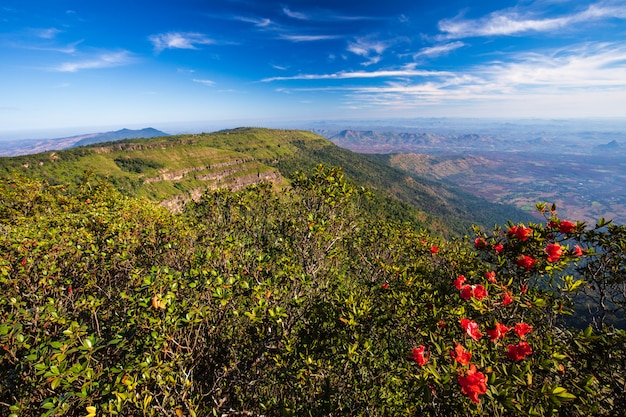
438	50
512	22
179	40
369	49
362	74
105	60
307	38
208	83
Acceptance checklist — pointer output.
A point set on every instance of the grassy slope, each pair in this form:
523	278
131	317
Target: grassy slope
170	166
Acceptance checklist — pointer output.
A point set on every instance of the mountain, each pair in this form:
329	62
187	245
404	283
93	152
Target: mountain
612	147
175	169
371	141
120	135
30	146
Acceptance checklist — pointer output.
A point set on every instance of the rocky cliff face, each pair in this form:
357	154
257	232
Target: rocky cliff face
233	183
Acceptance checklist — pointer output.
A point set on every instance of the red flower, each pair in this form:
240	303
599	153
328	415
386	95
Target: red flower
526	262
507	299
491	276
466	292
498	248
480	292
552	224
462	356
23	261
477	291
473	384
519	351
521	329
385	286
434	249
554	252
577	251
471	328
458	282
419	355
499	332
480	243
522	232
566	227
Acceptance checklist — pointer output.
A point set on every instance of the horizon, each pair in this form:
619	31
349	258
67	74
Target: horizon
68	64
602	124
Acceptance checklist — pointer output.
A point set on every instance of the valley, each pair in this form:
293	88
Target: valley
580	167
585	188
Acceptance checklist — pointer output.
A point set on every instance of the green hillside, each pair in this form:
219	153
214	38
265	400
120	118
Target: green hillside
175	169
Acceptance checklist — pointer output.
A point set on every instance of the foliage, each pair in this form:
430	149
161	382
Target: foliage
303	302
137	165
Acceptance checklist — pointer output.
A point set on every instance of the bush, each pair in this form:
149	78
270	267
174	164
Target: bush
298	303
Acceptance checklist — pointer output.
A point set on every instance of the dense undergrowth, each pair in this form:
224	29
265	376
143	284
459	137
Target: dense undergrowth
300	303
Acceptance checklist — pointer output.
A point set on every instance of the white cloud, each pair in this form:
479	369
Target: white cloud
105	60
208	83
307	38
179	40
371	50
577	81
258	22
48	33
362	75
439	50
295	15
510	22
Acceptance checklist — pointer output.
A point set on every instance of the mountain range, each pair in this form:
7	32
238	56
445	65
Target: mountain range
176	169
29	146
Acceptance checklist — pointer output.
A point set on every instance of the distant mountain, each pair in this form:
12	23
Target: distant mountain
31	146
120	135
611	147
370	141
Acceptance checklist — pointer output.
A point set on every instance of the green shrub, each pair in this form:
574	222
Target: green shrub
295	303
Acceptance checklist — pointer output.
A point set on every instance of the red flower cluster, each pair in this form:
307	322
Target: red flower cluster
458	282
522	232
477	291
491	276
577	251
521	329
526	262
471	328
554	251
419	355
566	227
499	248
480	243
519	351
459	354
499	332
434	249
507	299
473	384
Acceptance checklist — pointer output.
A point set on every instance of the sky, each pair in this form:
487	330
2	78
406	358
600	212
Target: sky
87	64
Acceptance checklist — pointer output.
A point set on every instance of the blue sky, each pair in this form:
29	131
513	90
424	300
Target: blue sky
134	63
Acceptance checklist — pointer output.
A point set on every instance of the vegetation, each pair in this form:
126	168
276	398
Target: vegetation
305	302
180	167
